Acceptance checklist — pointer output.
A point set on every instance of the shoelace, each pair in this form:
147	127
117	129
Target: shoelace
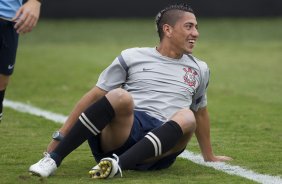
46	154
47	159
117	159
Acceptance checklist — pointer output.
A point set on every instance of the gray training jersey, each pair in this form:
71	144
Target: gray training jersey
159	85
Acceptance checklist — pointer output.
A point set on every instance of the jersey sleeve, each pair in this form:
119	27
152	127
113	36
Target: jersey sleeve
200	98
114	75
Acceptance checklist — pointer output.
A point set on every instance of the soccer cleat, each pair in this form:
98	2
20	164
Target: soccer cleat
1	114
106	168
44	167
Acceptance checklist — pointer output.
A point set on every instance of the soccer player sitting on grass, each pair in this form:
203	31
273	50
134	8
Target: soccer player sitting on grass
144	108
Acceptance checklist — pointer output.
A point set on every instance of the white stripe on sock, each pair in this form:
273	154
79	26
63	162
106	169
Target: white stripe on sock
90	123
86	125
154	144
158	142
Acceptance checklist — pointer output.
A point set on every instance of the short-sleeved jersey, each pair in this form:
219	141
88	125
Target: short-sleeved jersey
8	8
159	85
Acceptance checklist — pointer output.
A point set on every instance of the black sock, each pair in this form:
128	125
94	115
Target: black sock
92	121
2	94
155	143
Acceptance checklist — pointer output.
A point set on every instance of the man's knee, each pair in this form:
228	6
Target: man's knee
121	100
186	120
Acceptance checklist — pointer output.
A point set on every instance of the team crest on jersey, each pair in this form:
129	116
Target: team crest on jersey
190	77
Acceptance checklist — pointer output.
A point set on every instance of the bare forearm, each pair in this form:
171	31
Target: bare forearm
89	98
203	133
204	139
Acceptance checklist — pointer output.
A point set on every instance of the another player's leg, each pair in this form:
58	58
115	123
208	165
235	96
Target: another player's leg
8	50
167	139
91	122
3	84
2	94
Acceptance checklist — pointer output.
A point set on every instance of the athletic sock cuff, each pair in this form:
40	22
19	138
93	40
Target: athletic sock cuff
165	137
2	94
176	126
97	115
56	158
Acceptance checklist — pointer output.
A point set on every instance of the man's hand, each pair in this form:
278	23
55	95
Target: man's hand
27	16
218	159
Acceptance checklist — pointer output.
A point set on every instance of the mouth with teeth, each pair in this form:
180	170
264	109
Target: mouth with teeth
190	44
191	41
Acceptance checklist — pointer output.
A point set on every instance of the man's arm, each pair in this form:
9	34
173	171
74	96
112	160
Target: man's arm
92	96
27	16
203	136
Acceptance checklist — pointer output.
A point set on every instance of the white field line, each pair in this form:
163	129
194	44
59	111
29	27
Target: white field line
198	159
232	170
21	107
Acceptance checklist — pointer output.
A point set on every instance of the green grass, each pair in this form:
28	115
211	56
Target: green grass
61	60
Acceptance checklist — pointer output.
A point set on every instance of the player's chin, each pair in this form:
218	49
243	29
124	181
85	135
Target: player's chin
189	51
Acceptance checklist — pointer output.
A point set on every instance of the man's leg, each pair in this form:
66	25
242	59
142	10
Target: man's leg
115	108
8	50
117	105
2	94
170	138
161	141
3	84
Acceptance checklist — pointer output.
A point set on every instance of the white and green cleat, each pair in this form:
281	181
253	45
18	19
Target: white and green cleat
106	168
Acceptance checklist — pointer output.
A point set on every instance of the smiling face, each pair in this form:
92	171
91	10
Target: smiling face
181	37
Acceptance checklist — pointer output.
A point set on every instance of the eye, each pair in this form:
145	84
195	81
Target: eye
188	26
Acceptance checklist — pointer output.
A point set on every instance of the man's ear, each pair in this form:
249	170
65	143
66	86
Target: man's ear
167	29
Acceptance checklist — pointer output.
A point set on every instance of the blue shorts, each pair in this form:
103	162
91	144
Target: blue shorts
8	47
143	123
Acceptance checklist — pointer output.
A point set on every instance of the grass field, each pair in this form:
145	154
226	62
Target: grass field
61	60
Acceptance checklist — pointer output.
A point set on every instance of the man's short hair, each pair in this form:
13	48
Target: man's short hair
170	15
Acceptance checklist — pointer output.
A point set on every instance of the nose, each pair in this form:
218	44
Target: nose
195	32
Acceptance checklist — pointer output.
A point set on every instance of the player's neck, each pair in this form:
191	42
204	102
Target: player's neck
169	52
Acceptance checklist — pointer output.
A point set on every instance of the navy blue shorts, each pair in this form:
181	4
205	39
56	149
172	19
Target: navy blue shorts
143	123
8	47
